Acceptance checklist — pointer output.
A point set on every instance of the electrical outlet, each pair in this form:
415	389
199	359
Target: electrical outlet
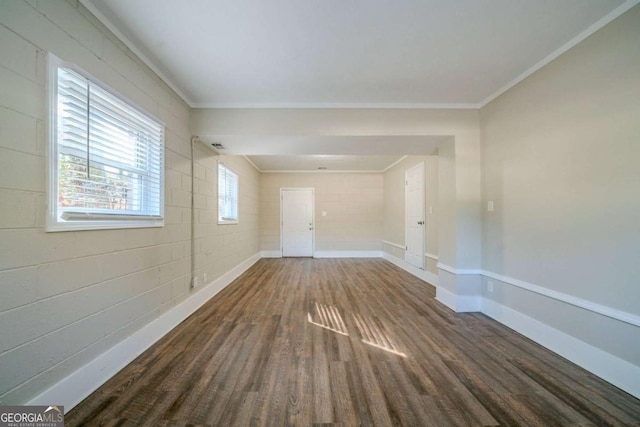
194	282
205	278
490	206
489	285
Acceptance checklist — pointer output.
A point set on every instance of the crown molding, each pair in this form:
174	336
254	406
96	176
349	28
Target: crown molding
251	163
394	163
413	106
88	4
338	105
573	42
325	171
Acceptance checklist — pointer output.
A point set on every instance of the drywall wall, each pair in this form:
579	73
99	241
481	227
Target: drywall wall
352	203
394	209
561	156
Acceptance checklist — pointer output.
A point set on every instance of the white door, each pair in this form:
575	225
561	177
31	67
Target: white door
297	222
414	207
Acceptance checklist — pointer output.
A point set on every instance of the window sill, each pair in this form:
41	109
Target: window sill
112	224
228	222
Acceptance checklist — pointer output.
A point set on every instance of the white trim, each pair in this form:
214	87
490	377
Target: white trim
347	254
271	254
114	29
319	171
57	220
81	383
252	164
394	163
613	313
573	42
617	371
459	303
395	245
425	275
458	271
338	105
431	256
447	298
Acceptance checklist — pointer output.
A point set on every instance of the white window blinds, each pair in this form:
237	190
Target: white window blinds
227	195
110	156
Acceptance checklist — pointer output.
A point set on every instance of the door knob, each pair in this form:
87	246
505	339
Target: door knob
420	222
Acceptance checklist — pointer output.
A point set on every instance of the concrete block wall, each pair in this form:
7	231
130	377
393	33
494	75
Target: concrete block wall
352	202
219	248
69	296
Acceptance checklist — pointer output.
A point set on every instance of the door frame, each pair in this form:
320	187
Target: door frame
313	217
423	168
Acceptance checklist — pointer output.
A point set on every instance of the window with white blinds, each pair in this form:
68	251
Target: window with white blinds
107	157
227	195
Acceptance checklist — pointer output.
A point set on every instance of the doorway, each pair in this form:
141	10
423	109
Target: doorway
414	211
296	210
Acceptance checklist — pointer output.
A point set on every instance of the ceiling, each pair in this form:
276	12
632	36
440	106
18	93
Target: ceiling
347	54
269	53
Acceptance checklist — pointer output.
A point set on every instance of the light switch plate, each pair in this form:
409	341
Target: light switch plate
490	206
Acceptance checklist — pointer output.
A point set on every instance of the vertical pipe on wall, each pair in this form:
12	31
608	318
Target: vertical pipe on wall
194	140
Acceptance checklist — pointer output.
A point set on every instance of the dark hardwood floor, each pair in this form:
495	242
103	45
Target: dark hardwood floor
347	342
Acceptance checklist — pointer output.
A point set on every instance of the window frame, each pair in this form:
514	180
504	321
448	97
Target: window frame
222	221
94	219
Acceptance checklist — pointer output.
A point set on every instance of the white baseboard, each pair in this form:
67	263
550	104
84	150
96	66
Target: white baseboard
447	298
459	303
347	254
271	254
617	371
427	276
81	383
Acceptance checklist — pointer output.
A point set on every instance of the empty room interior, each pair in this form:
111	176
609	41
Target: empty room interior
321	213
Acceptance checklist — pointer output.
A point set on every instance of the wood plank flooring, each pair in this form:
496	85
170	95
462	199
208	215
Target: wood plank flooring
347	342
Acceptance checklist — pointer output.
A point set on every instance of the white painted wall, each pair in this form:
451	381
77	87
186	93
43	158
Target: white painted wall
561	156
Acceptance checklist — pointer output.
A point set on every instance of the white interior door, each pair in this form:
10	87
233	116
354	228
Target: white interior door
414	207
297	222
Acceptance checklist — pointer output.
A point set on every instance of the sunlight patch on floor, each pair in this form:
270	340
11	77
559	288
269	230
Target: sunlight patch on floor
374	334
328	317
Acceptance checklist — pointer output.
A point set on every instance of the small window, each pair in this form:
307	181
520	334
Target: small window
227	195
106	156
